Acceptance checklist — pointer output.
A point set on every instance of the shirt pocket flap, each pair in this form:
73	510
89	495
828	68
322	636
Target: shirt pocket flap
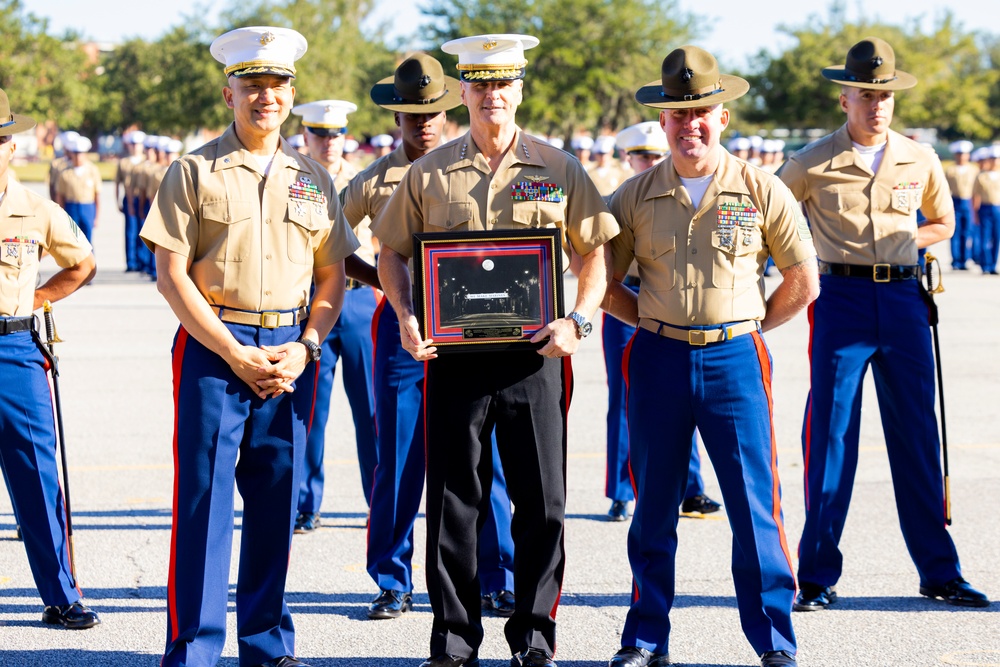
655	244
537	213
307	217
451	214
227	212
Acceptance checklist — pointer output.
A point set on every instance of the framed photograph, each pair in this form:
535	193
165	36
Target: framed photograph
487	290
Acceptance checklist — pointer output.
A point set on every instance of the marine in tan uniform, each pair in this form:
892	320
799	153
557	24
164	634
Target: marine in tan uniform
30	225
861	188
986	207
129	205
78	187
495	177
61	162
350	341
242	227
606	171
700	225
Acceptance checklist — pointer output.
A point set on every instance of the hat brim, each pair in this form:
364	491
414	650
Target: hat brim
18	123
902	81
732	87
383	94
262	70
325	131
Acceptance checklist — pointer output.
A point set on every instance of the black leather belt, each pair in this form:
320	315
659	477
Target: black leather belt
355	284
880	273
9	325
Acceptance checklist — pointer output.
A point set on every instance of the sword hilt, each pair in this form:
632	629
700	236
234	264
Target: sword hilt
930	262
51	335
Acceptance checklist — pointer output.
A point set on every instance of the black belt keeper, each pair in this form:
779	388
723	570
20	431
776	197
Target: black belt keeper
9	325
879	273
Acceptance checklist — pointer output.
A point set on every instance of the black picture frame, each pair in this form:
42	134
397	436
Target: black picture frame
489	290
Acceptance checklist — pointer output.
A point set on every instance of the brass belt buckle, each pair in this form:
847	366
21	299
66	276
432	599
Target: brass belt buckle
270	319
875	273
698	337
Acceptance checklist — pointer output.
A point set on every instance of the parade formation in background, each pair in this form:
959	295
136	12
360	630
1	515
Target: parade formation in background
280	253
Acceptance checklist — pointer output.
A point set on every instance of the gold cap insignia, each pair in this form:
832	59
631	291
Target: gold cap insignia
267	38
489	44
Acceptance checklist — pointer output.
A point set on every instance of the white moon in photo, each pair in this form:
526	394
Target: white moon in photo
488	264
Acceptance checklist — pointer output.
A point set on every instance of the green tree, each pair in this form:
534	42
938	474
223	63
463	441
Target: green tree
592	56
45	77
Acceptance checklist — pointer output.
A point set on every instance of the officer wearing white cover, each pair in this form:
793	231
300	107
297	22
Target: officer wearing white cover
243	228
350	340
484	180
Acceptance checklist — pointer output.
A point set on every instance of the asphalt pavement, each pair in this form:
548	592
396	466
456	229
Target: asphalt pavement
117	407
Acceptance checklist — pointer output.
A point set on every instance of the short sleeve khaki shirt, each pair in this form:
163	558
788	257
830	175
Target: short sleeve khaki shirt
858	217
961	178
369	191
536	185
703	266
28	225
79	185
252	242
987	187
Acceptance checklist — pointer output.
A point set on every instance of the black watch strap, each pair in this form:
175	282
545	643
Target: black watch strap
314	350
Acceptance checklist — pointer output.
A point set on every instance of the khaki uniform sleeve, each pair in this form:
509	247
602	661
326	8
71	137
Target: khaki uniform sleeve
793	175
589	224
173	219
623	245
401	216
937	201
339	241
353	201
64	240
787	234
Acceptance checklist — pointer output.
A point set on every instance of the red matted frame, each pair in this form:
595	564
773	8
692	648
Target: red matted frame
479	291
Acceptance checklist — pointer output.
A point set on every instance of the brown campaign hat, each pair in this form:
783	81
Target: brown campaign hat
12	123
418	86
871	63
689	79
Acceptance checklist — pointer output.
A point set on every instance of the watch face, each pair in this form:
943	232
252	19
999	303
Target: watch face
586	328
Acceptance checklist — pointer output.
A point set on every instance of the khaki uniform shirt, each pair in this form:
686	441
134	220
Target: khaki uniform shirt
127	168
79	186
368	192
987	188
152	177
56	168
703	266
252	242
28	225
862	218
607	179
536	185
961	178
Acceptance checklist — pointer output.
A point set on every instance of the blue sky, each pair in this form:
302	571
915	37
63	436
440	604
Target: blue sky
731	31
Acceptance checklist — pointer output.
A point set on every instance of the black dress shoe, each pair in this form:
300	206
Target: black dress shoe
812	597
500	603
957	592
619	510
700	504
284	661
307	522
17	532
445	660
777	659
633	656
390	604
76	616
532	657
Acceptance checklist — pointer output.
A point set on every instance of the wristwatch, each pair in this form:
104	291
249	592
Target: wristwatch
583	327
312	349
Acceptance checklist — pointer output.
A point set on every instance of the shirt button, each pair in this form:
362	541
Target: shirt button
267	293
694	251
493	221
268	221
693	318
267	257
